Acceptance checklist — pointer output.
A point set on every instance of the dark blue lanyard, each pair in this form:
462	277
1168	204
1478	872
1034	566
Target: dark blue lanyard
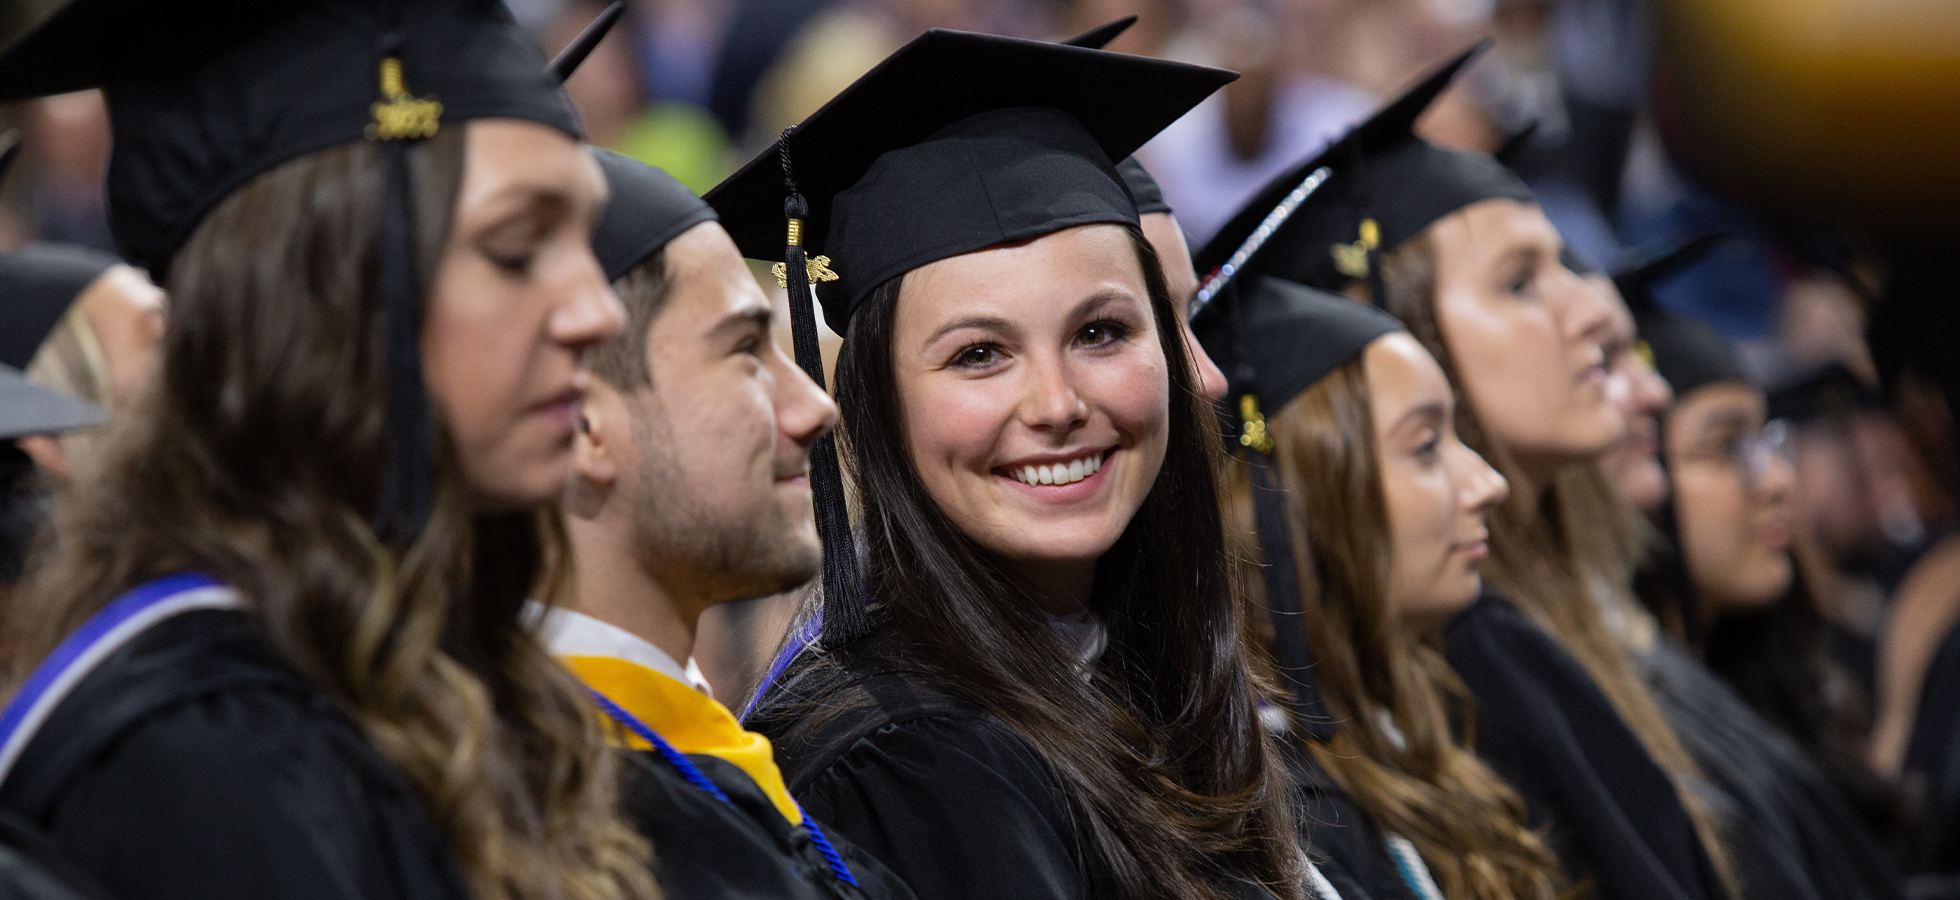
692	775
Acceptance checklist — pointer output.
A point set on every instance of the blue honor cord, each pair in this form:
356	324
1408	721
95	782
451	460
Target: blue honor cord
693	775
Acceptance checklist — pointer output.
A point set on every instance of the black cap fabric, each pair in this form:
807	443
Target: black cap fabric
1686	351
1827	392
648	209
1143	188
38	283
27	408
1149	198
1637	278
1382	174
1273	339
207	95
956	143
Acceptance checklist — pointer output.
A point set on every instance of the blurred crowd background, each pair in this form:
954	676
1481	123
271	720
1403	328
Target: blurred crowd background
1823	136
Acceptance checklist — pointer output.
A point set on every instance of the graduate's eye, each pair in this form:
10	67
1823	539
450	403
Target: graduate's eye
1521	282
1100	333
1425	452
976	356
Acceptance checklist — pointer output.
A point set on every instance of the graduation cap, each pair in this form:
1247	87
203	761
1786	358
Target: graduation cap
1144	190
1826	392
1274	339
38	283
955	143
1684	350
648	208
27	408
1391	185
205	96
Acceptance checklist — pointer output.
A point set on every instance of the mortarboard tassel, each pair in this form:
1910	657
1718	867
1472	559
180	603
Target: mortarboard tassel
408	475
845	616
1295	661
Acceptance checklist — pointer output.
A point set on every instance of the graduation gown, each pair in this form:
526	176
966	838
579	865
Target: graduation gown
1545	726
1349	849
757	846
960	805
1933	764
192	763
1793	837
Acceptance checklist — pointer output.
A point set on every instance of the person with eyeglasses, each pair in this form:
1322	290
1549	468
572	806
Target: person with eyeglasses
1742	672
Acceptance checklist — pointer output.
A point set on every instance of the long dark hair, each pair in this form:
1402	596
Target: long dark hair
1467	823
258	460
1159	751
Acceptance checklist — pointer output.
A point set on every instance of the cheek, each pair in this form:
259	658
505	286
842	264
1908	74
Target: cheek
953	423
1419	513
1502	349
1133	390
475	355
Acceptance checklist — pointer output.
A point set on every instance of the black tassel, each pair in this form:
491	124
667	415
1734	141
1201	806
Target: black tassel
1283	601
408	479
846	616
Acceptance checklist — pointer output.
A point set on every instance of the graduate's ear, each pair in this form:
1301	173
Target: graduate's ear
595	448
46	453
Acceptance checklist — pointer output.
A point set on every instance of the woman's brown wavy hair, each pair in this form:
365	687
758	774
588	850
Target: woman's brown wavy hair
1468	824
257	460
1554	573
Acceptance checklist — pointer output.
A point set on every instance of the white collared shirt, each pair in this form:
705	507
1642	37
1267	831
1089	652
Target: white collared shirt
571	633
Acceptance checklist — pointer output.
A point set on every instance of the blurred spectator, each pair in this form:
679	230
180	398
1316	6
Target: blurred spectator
620	110
67	147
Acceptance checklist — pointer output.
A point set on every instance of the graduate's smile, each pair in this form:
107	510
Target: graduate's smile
1057	477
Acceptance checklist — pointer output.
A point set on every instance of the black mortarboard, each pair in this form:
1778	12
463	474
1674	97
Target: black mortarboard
27	408
648	209
955	143
204	97
923	158
1827	392
1685	351
38	282
1274	339
1143	188
1389	186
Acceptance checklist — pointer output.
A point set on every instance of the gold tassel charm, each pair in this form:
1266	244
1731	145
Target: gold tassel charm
1252	433
1352	259
815	268
399	115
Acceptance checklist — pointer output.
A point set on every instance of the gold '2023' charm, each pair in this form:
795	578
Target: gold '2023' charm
399	115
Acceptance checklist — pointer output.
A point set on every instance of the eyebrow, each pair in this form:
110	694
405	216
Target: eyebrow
1427	413
998	324
744	319
1730	419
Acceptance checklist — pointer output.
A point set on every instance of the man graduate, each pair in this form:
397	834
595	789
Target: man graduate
691	489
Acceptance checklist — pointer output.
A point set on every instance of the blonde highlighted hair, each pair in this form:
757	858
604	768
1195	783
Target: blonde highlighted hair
1417	781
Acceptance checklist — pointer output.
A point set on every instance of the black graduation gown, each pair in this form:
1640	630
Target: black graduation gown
1793	837
1932	764
1545	726
950	798
1347	846
194	764
706	849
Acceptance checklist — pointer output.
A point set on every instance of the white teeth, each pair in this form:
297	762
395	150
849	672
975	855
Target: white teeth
1059	473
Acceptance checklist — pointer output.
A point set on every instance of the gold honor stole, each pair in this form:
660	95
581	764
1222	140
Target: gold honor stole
693	722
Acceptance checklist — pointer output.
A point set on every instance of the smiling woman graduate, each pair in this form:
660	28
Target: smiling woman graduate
278	650
1036	689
